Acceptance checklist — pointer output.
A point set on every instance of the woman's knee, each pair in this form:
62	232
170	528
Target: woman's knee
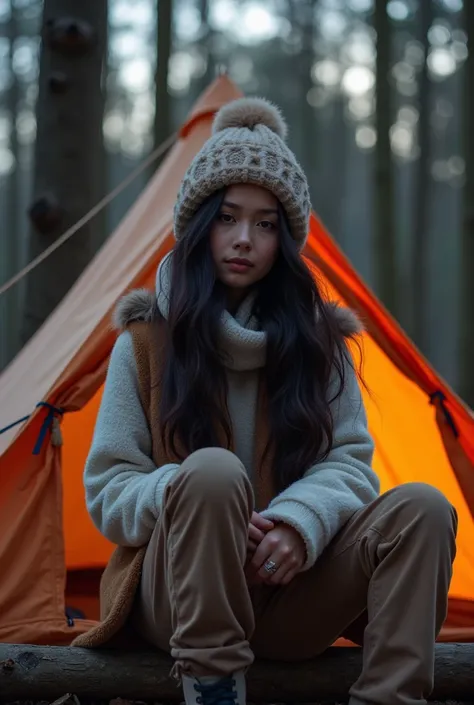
428	504
213	470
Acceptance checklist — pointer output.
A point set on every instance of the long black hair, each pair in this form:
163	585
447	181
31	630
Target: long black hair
305	347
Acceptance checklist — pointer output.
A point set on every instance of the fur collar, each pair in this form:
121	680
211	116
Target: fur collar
137	305
141	305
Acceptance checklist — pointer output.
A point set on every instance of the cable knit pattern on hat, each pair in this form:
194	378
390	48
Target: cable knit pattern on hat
247	146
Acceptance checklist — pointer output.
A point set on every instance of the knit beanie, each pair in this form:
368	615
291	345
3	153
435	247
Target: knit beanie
247	146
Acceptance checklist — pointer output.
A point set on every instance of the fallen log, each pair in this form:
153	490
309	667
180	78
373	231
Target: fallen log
48	672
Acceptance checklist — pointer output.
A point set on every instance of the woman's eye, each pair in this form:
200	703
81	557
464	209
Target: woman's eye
226	217
267	225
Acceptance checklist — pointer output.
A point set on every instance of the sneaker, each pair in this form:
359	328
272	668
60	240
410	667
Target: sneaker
229	690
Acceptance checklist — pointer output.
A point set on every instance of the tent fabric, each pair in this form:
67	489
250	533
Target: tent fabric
50	552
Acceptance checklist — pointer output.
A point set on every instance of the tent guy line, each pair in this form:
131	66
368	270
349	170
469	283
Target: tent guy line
51	421
161	149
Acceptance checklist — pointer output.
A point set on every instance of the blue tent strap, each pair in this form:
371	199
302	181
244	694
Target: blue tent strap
53	411
441	397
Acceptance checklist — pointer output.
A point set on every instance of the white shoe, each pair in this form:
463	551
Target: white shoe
215	690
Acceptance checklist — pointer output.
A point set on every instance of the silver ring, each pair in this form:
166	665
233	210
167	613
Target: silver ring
270	567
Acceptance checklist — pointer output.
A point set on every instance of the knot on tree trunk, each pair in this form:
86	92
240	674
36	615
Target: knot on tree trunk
45	213
69	35
58	82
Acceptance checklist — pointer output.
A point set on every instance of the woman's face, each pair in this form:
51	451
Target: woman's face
245	238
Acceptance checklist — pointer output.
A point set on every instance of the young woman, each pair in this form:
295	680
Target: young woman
231	461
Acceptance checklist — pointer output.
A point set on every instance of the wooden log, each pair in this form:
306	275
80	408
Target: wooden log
48	672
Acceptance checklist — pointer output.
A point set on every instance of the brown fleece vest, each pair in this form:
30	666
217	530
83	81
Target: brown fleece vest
121	577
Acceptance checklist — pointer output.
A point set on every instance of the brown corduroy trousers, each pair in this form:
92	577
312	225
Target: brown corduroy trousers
382	583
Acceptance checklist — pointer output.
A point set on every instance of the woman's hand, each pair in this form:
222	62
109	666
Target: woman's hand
258	527
282	546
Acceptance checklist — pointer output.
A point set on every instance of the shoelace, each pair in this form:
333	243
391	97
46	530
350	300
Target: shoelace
220	693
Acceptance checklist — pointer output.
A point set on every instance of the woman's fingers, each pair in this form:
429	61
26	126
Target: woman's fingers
279	576
261	523
282	550
265	550
287	570
251	546
255	534
278	570
274	552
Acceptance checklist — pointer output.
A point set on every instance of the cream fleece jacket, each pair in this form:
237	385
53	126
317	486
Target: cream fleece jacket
124	489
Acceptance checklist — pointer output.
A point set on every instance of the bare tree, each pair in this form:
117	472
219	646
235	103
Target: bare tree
11	246
162	122
423	176
467	257
304	64
384	235
69	162
206	42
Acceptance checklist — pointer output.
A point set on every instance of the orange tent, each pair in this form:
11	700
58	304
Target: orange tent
50	553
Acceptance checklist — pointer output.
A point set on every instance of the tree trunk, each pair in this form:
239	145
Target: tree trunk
304	64
305	140
69	173
207	42
420	279
11	236
162	122
47	672
467	251
384	230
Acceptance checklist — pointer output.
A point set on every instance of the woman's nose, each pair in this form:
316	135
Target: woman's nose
242	238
